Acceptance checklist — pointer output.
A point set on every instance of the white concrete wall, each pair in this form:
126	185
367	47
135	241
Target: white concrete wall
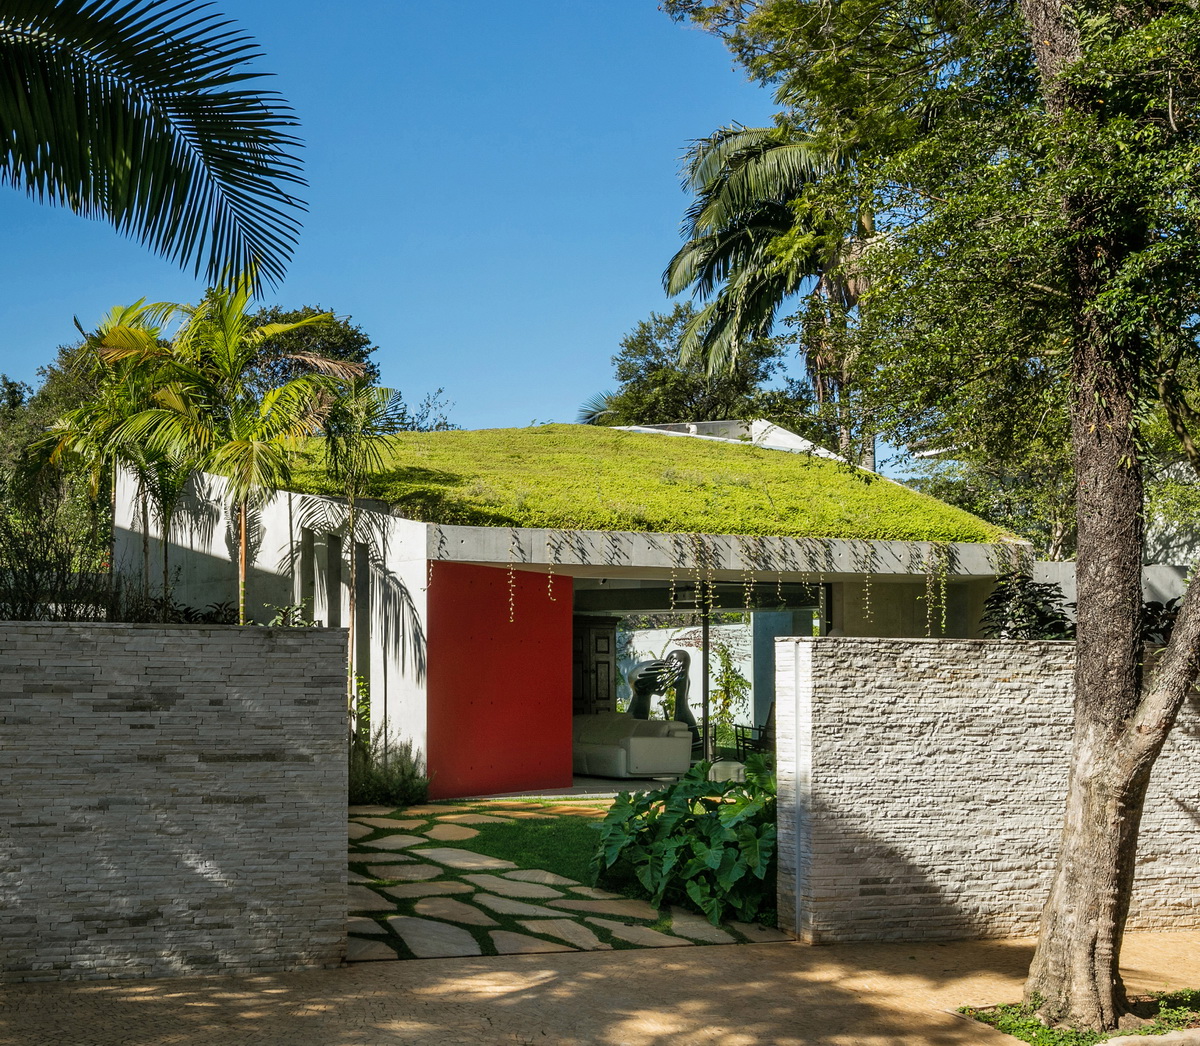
1160	581
286	569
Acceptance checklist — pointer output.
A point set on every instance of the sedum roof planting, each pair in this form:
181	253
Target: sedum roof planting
582	477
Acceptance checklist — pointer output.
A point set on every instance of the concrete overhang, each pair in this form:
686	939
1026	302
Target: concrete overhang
721	557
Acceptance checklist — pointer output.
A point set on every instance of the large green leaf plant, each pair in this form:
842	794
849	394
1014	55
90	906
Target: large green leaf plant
705	844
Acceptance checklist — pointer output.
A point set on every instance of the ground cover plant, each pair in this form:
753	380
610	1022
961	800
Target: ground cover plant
564	476
703	844
386	771
1168	1011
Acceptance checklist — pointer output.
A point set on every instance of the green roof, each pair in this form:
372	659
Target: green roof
583	477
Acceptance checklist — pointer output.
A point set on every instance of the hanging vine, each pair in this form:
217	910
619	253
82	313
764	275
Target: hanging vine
439	547
677	562
937	570
697	567
749	554
779	597
821	603
513	541
867	566
552	547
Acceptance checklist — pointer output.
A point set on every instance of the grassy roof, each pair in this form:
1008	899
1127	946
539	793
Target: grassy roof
593	478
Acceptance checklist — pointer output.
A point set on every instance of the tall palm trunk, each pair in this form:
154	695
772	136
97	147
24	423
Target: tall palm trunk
166	560
242	510
144	498
351	613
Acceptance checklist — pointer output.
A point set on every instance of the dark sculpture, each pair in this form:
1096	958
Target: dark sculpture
645	680
648	679
678	664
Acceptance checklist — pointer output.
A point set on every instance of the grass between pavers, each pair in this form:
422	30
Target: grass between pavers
1170	1011
551	844
562	845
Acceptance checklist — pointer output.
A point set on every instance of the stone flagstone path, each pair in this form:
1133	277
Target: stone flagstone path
413	894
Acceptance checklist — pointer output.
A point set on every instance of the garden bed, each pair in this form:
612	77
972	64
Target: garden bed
1169	1011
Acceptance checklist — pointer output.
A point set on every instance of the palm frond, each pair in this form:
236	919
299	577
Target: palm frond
146	114
593	411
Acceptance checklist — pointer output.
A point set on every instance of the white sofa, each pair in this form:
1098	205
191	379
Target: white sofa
614	744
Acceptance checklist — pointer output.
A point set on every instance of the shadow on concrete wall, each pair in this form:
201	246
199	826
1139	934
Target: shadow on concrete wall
868	890
395	621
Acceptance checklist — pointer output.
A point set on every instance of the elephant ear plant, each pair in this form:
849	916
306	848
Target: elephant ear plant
705	842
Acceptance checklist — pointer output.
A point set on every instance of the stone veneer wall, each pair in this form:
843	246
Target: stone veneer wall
921	788
173	800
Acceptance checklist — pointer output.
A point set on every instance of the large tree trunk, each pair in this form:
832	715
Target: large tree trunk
1120	722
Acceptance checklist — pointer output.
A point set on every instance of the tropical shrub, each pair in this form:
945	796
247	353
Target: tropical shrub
704	844
386	770
1021	608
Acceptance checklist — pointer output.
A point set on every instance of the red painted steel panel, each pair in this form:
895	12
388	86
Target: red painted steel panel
499	692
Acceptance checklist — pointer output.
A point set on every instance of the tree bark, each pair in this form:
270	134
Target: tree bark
352	622
144	499
241	510
166	565
1120	722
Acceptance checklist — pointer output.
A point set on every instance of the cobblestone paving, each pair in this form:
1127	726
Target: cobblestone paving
416	895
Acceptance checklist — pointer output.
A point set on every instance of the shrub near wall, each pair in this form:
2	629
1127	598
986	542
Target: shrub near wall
921	791
173	800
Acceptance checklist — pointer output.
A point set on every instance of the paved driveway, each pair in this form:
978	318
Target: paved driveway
747	995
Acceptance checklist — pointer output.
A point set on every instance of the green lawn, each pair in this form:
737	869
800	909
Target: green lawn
563	845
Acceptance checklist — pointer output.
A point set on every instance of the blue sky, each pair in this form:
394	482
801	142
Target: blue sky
494	193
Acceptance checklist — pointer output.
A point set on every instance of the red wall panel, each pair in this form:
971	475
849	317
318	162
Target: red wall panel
499	692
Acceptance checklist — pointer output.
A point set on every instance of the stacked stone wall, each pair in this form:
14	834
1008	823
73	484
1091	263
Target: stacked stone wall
922	785
172	800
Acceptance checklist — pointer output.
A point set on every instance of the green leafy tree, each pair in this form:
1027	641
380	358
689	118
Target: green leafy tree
1018	476
656	388
86	438
143	114
208	407
1032	163
319	333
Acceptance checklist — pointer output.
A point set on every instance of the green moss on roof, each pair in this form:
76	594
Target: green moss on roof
592	478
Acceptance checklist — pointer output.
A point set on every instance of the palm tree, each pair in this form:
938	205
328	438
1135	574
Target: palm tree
357	428
593	411
90	433
748	182
141	114
207	406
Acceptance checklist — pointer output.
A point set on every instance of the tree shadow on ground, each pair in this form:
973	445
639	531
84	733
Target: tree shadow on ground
786	994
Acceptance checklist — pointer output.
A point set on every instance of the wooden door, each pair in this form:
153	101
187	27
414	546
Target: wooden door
594	665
